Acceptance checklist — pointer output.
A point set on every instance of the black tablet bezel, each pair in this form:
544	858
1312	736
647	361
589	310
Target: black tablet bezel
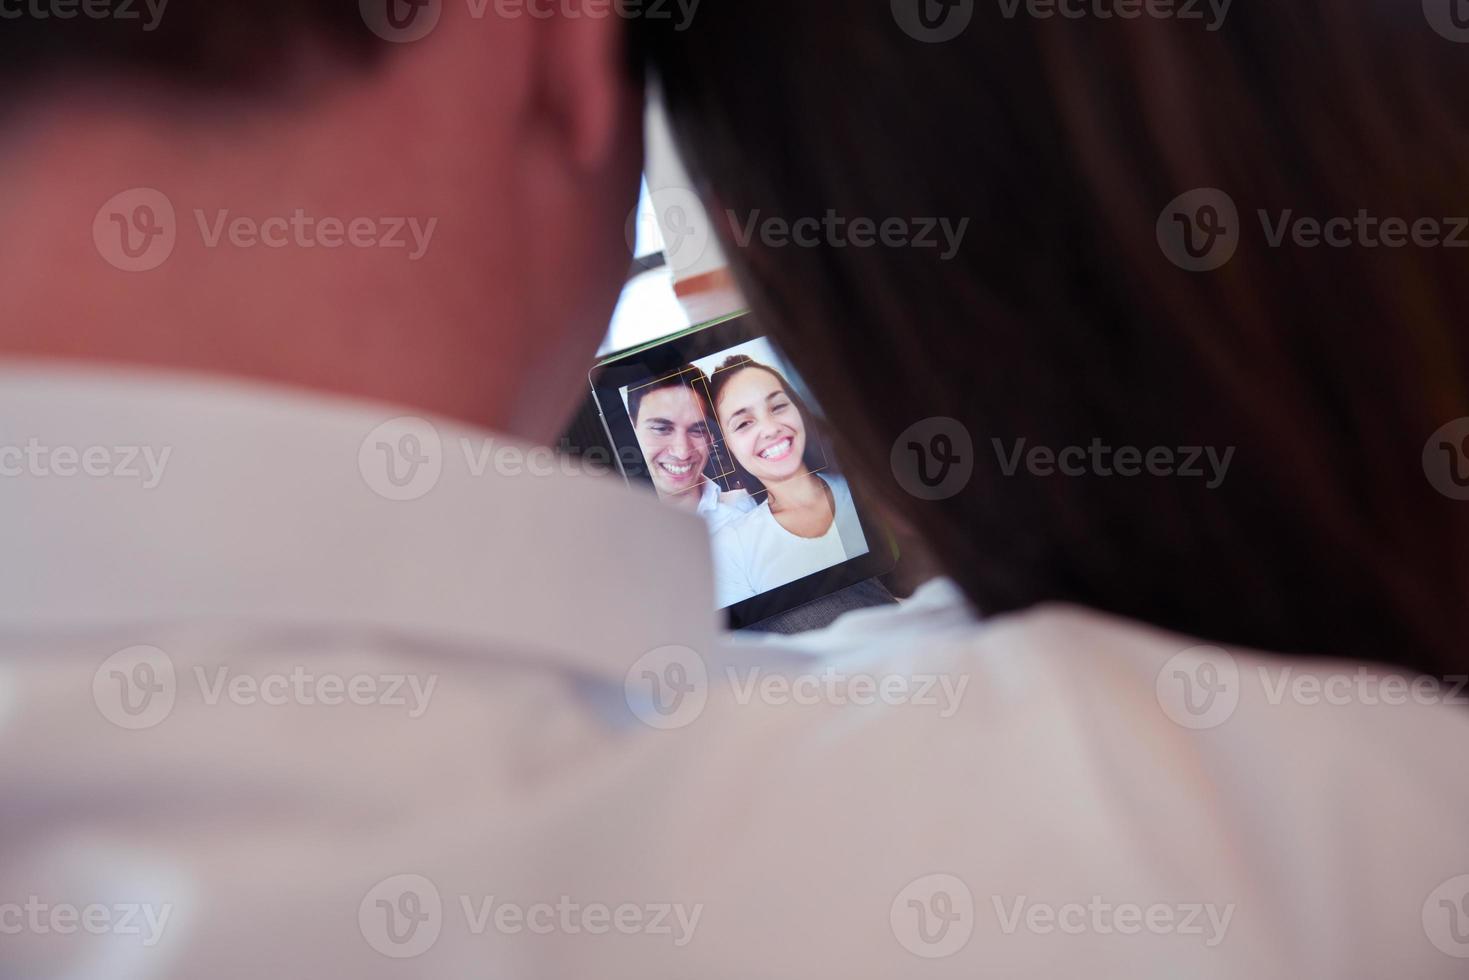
666	356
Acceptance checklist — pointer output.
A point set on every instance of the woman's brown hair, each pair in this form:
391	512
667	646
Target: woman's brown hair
1081	151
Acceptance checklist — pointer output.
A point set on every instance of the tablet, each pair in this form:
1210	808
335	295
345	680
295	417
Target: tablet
716	422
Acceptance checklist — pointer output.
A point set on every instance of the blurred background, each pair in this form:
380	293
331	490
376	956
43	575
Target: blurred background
664	296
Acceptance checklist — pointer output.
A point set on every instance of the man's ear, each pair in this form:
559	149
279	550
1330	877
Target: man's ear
587	86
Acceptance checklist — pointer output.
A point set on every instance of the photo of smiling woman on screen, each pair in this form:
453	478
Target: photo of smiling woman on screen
805	521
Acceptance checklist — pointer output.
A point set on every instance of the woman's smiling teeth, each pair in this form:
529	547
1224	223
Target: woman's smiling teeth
780	450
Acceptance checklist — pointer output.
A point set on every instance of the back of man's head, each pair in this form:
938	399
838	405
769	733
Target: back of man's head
412	200
194	42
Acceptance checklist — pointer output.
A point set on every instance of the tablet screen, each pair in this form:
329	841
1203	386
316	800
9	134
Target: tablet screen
723	428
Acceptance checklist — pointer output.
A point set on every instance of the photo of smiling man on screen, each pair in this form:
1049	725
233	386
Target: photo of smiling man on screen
676	433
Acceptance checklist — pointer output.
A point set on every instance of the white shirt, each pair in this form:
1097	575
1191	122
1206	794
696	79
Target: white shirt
494	806
488	628
719	509
756	554
1029	780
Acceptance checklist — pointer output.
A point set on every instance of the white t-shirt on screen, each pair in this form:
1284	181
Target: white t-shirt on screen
719	509
755	554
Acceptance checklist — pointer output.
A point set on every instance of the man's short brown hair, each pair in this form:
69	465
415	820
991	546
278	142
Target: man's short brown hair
201	42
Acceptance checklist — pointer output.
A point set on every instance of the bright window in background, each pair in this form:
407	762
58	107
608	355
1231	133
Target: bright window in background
649	235
649	308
